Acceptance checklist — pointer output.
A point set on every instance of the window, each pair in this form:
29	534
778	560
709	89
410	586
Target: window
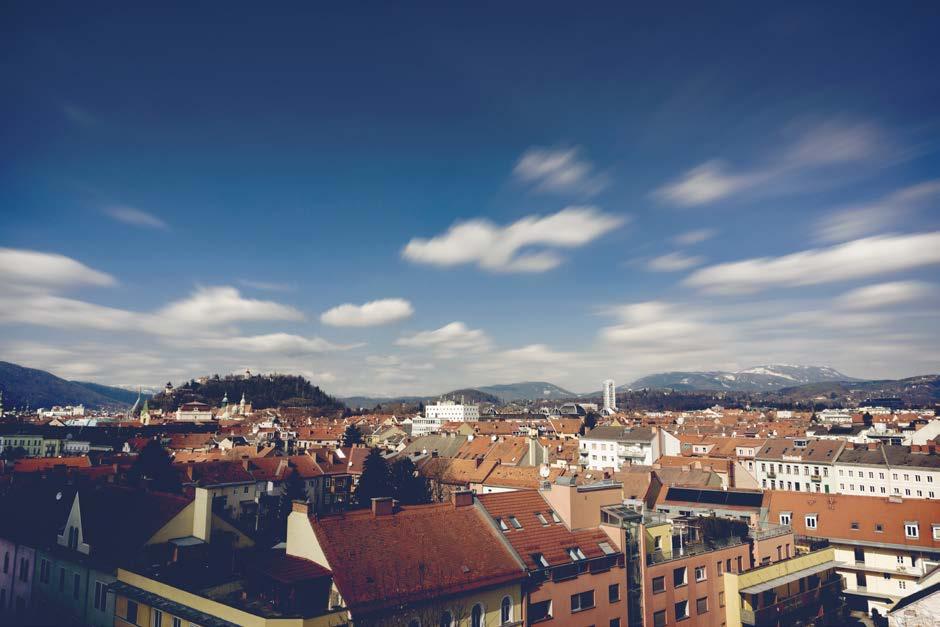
811	520
785	518
700	573
476	616
177	622
576	554
6	562
659	584
659	618
679	577
539	559
555	517
613	592
76	585
879	528
682	610
859	554
505	611
541	518
854	525
614	622
701	605
540	611
515	522
902	584
721	599
911	530
606	548
718	567
157	619
447	619
101	596
502	524
44	568
936	531
131	615
582	601
24	569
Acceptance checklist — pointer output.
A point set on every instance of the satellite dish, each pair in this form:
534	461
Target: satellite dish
544	471
58	496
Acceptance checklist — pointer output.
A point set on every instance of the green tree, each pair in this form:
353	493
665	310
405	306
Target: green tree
376	479
155	465
11	454
352	436
294	490
410	487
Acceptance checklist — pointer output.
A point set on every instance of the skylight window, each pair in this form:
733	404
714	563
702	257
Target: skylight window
606	548
576	554
540	560
555	517
502	524
515	522
541	518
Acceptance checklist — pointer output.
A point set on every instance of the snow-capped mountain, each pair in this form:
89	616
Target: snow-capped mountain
756	379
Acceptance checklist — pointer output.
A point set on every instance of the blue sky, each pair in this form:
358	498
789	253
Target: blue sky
517	192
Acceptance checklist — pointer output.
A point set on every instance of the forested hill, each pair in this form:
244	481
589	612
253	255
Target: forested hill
262	391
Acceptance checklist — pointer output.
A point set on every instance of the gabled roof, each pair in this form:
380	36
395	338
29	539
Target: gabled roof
837	512
38	464
815	451
551	540
417	553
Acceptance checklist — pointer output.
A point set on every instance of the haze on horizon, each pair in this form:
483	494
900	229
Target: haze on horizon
415	200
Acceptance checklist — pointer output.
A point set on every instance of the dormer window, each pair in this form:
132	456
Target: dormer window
911	530
576	554
539	559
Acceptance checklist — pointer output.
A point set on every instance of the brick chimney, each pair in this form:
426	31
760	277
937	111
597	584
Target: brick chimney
462	498
849	446
300	506
872	446
383	506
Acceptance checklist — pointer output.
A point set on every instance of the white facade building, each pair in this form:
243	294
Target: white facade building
614	447
441	412
610	396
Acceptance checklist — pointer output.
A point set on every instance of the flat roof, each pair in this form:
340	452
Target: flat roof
779	581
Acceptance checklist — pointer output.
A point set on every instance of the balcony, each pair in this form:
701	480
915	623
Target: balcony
771	474
825	600
816	478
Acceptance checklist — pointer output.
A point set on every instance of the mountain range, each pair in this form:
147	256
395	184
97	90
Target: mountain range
757	379
23	386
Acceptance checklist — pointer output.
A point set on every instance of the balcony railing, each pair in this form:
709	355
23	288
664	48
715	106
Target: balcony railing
816	478
771	474
691	549
825	600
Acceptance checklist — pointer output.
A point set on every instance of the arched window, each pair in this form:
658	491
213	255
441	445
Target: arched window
505	611
476	616
447	620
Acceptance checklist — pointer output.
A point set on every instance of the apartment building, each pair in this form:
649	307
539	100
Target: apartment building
613	446
797	465
876	469
574	576
886	548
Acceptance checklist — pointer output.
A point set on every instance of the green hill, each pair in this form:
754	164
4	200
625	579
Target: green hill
262	391
37	388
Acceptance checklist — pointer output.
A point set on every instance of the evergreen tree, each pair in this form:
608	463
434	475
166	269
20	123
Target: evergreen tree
294	490
376	479
352	436
410	487
155	465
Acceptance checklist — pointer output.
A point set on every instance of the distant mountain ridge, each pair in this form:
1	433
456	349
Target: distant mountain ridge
502	393
527	390
757	379
23	386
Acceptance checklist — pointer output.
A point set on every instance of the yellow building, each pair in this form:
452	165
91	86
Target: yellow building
804	588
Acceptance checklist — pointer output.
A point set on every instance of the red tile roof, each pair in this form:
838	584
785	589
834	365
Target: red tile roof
418	553
551	540
38	464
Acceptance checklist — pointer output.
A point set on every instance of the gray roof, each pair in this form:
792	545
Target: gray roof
894	456
445	445
620	434
815	451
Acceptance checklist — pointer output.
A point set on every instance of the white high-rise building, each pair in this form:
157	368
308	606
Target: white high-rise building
610	395
444	411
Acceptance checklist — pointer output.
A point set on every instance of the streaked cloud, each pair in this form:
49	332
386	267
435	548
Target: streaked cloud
858	259
137	217
509	248
211	306
448	339
284	343
674	262
696	236
883	295
30	269
267	286
374	313
853	222
558	170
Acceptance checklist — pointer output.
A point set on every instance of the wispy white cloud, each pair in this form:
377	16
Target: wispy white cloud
137	217
831	143
674	262
448	340
213	306
374	313
30	269
885	294
866	219
558	170
266	286
696	236
508	248
858	259
282	343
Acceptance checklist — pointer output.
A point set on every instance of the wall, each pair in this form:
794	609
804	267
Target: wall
581	509
922	613
560	595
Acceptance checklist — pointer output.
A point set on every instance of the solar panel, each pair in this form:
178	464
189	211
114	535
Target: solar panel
715	497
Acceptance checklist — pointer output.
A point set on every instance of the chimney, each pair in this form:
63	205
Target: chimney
383	506
202	515
872	446
300	507
849	446
462	498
